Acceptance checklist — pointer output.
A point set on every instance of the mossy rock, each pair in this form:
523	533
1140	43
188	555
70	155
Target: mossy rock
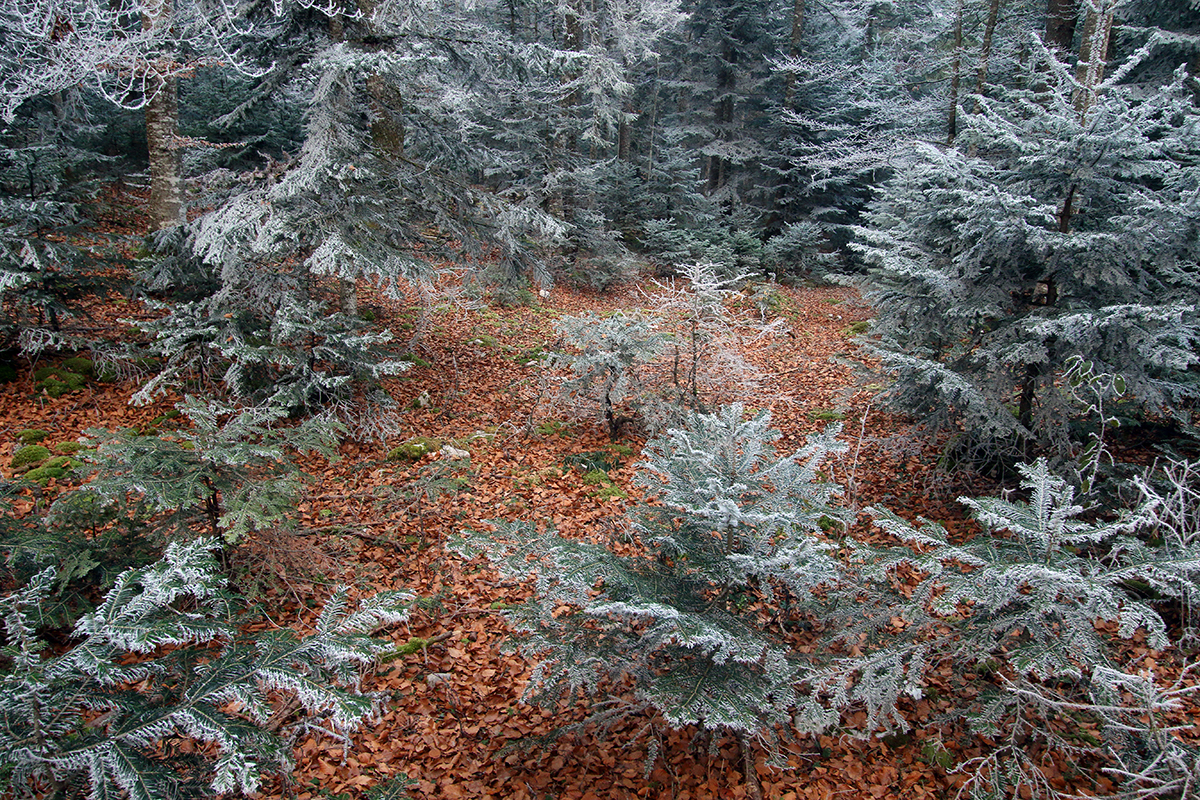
8	373
31	435
29	456
62	462
416	449
82	366
68	448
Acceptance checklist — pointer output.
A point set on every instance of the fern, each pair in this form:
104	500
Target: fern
159	659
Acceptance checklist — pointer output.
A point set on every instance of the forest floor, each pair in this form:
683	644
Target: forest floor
454	720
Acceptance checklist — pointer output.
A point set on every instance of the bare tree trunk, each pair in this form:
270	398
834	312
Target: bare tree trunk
723	117
162	126
1061	17
1060	24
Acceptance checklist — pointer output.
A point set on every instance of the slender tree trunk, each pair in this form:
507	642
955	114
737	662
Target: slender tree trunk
955	75
723	117
1093	55
162	126
797	37
623	142
985	52
1061	17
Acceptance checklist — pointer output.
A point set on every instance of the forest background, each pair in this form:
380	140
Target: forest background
642	329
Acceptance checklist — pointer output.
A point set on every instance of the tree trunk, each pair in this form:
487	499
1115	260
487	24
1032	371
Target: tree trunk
1061	16
1060	24
162	126
985	52
723	117
955	75
1093	55
794	50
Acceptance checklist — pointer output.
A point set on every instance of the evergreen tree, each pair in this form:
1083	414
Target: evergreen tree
733	521
50	256
1054	230
1020	603
159	660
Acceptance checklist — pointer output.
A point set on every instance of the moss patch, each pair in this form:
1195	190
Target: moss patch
42	475
596	477
413	645
610	492
415	360
29	456
31	436
68	448
57	381
80	366
415	449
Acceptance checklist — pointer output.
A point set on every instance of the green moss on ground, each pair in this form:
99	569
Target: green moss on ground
29	456
415	449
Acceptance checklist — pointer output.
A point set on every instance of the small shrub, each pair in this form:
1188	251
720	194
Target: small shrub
108	713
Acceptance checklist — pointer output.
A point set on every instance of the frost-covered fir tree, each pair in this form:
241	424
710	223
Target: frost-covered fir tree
1036	608
604	358
158	662
734	522
1062	224
48	197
